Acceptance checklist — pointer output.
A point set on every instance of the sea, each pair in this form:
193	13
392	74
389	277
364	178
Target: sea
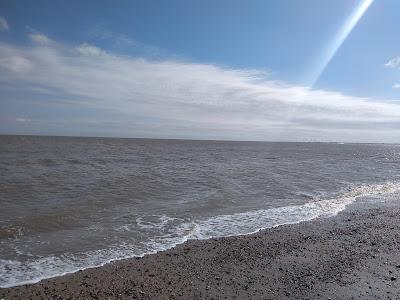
71	203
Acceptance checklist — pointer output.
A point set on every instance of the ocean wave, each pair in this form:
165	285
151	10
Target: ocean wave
176	231
253	221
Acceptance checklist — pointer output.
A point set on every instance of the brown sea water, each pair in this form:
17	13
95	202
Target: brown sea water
71	203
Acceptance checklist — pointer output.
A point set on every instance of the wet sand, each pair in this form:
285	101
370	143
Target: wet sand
354	255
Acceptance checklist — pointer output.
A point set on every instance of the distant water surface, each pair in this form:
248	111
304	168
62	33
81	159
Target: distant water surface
72	203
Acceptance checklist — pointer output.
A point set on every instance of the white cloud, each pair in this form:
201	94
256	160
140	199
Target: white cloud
39	38
3	24
17	64
173	98
90	50
393	63
121	41
22	120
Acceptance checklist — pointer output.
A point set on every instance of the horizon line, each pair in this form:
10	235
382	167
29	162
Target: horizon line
192	139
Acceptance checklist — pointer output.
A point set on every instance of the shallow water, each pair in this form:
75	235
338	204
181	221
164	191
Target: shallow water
72	203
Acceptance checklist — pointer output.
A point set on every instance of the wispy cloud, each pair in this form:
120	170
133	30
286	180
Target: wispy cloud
39	38
124	42
3	24
15	63
89	50
22	120
393	63
173	98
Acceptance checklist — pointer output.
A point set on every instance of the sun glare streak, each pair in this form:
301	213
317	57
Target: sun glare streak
329	52
338	40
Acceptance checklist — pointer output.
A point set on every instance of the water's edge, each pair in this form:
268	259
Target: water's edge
221	226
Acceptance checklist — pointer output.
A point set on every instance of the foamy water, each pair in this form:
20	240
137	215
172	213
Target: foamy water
70	204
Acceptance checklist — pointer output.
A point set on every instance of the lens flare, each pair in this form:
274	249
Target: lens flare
338	41
327	55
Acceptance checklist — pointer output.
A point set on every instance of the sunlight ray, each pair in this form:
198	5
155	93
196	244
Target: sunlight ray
338	40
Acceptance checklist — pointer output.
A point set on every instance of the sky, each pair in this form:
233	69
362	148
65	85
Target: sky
283	70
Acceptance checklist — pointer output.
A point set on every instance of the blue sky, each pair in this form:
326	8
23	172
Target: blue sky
200	69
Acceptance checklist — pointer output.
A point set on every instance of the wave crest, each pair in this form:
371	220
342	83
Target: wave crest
173	231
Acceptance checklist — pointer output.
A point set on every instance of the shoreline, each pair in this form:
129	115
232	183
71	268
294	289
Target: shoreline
355	253
343	203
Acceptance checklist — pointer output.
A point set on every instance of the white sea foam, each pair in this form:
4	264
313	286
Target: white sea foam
250	222
15	273
155	221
